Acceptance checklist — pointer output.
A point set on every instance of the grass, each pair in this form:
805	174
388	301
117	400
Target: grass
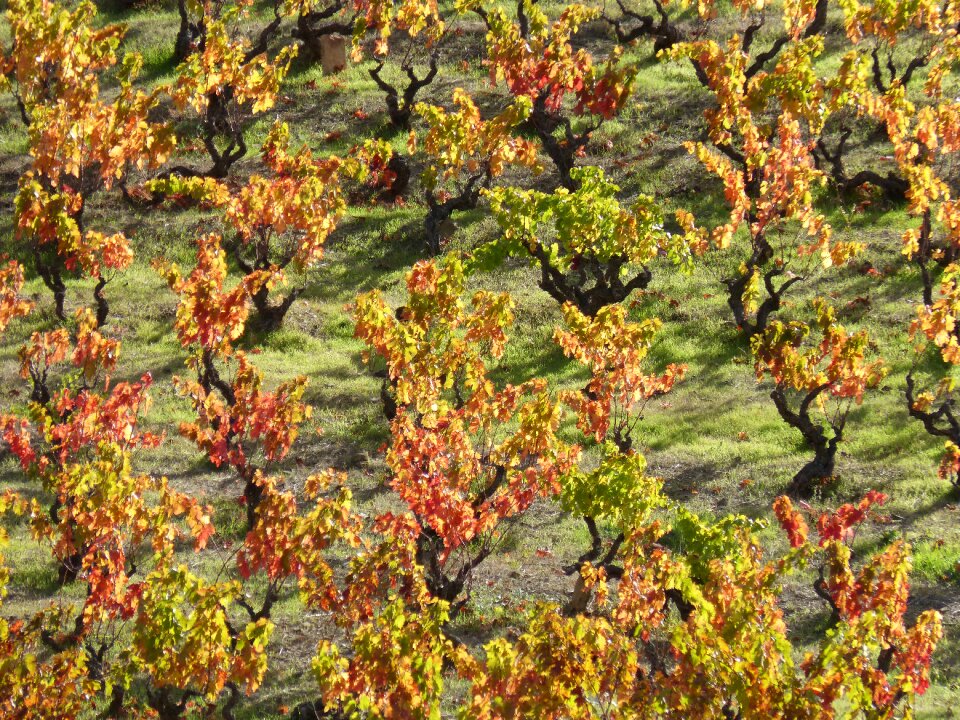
716	440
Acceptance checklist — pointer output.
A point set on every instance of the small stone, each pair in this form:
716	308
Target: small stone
333	53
